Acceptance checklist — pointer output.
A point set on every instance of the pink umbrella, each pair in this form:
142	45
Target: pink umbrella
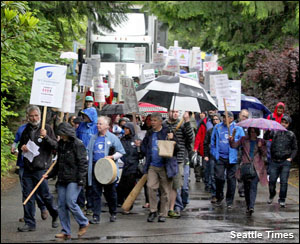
261	123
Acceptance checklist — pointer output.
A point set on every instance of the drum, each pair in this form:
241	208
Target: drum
105	171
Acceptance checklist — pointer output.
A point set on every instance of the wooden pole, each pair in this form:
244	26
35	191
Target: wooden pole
61	117
84	94
226	116
67	117
38	184
134	122
44	117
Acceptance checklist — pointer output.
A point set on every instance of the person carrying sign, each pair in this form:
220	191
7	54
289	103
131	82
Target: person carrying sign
33	171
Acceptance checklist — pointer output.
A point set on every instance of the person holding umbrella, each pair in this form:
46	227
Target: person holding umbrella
253	151
283	151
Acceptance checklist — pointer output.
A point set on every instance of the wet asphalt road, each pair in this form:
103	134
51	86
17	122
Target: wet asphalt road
200	222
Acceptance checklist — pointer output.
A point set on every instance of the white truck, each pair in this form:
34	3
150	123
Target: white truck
140	30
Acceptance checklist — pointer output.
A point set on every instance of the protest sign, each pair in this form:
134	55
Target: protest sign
86	75
172	65
148	75
195	60
94	61
223	78
140	55
129	95
210	66
48	85
73	102
158	60
183	56
67	97
99	89
119	69
231	91
111	80
193	76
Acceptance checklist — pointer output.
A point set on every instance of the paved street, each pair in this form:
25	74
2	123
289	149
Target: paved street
200	222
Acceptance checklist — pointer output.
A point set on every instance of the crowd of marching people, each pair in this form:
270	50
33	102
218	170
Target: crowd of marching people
218	153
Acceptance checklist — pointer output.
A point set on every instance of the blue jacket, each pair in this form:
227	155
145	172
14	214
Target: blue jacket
86	130
171	164
215	137
17	139
110	141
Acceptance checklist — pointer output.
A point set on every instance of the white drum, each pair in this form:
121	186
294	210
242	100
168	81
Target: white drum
105	171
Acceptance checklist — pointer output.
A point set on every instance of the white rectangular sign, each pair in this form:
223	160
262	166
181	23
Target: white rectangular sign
48	85
158	60
73	105
86	76
129	95
193	76
120	69
210	66
231	91
94	61
99	89
172	65
140	55
149	75
221	79
67	99
183	56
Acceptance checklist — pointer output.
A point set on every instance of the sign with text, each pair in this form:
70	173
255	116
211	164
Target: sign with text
195	60
223	78
99	89
231	91
183	56
193	76
140	55
67	97
94	61
86	76
172	65
210	66
73	103
120	69
158	60
129	95
148	75
48	85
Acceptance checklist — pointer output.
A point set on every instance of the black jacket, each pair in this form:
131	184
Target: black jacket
132	156
284	145
72	161
46	147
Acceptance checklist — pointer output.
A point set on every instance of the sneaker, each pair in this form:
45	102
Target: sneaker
282	204
82	230
55	222
151	217
251	211
213	200
63	236
173	214
94	221
89	212
113	218
229	207
44	214
270	200
26	228
161	219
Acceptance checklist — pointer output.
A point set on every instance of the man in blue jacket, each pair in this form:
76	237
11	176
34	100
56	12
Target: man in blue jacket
226	158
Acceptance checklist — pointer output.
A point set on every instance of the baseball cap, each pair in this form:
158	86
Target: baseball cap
230	114
89	99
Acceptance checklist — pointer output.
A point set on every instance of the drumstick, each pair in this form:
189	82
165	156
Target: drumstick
38	184
134	193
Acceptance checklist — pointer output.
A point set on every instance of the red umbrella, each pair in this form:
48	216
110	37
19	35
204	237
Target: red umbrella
261	123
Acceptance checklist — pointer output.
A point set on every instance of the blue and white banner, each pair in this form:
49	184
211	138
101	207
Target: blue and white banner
48	85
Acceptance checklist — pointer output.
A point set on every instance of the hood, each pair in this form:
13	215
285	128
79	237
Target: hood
91	113
278	104
287	118
66	129
130	126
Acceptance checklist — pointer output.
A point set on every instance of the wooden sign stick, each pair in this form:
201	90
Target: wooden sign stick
61	118
226	116
44	117
38	184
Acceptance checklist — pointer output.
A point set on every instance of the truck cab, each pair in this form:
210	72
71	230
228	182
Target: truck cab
119	46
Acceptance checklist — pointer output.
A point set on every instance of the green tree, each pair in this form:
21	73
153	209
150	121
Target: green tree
231	29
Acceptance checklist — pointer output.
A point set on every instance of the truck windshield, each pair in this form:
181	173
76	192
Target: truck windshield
118	52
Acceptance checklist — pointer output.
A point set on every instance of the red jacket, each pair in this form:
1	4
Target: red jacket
274	115
199	140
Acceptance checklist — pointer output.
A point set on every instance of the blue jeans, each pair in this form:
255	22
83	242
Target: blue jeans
38	199
185	187
223	167
30	180
250	188
206	169
67	197
282	170
211	178
110	194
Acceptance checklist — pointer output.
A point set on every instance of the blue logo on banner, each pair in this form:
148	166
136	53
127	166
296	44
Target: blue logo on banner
49	74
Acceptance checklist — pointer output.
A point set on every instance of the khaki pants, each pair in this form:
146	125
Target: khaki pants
157	178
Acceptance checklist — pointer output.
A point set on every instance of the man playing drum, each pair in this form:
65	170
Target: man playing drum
103	145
